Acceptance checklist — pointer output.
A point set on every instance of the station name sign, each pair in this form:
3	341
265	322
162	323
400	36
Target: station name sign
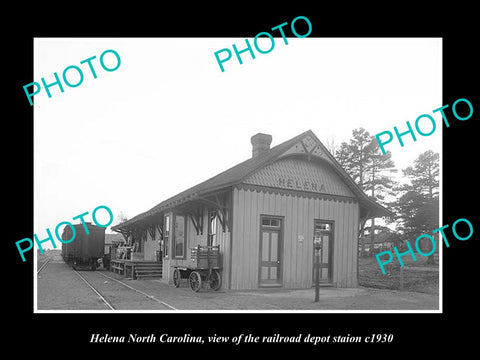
305	185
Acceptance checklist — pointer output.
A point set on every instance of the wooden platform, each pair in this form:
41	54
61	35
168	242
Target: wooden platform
136	269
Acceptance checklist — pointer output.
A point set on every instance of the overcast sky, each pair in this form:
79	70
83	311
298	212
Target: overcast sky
168	118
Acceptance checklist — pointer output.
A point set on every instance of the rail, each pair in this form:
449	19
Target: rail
43	265
95	291
107	303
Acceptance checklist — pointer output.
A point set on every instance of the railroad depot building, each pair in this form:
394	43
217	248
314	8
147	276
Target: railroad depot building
265	214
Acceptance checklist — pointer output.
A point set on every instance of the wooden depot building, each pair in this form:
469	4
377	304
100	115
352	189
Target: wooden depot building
265	214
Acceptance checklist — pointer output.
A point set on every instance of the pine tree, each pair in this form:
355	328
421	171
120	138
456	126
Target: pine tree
418	207
424	174
378	185
367	166
355	156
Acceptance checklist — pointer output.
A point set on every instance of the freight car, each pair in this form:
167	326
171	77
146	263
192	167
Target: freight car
85	250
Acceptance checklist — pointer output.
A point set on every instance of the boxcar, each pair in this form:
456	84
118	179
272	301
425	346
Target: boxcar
85	250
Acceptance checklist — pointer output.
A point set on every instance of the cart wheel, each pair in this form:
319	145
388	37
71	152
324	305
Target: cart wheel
195	281
176	277
215	280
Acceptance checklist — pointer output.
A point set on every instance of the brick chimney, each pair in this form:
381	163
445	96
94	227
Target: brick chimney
260	144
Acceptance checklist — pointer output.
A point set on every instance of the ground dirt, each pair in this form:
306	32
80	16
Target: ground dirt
59	288
418	276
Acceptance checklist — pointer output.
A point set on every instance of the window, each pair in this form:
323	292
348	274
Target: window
323	226
212	228
166	235
270	222
179	238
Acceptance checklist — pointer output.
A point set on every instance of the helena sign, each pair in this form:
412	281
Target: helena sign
305	185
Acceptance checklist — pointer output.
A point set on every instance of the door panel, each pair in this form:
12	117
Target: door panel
325	247
273	273
273	246
264	272
265	246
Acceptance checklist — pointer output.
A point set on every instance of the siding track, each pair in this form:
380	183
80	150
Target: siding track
153	298
102	294
107	304
43	265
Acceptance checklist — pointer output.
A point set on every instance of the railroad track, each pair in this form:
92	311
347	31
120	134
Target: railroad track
43	265
107	304
103	298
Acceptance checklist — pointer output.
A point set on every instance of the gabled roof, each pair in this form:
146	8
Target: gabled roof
236	174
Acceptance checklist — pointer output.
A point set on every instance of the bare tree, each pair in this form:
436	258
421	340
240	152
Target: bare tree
330	144
121	218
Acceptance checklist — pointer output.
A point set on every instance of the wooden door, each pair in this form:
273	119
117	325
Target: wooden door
323	232
270	268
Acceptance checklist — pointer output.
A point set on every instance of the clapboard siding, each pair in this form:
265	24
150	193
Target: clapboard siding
298	215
